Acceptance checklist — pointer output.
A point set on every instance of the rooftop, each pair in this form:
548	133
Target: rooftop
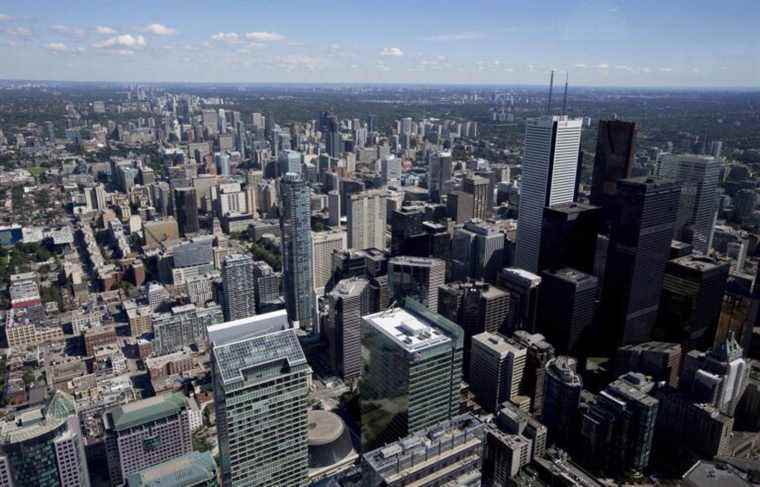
498	344
145	411
411	332
186	470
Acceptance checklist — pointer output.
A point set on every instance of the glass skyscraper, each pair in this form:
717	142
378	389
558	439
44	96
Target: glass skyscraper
295	228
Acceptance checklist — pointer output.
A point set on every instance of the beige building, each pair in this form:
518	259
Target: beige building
366	214
323	246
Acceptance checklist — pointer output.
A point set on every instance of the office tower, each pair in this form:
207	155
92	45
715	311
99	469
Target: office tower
460	206
260	381
391	169
718	376
614	159
407	226
448	453
659	360
562	395
477	251
266	286
440	170
500	365
144	433
549	173
239	286
295	231
186	210
698	177
477	186
638	249
514	439
475	306
324	244
366	214
289	161
618	426
210	120
566	309
183	326
333	206
568	237
411	372
347	303
417	278
522	287
44	446
691	300
539	353
195	469
333	137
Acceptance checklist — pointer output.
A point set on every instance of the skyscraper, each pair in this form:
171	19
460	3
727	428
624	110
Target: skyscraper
295	231
522	287
567	304
477	251
239	286
347	303
186	210
478	186
324	244
439	171
639	247
333	137
367	215
289	161
613	161
691	300
500	365
698	177
562	395
618	427
417	278
540	352
412	370
44	446
145	433
568	237
260	381
549	174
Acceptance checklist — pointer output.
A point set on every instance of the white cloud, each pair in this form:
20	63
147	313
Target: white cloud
603	66
124	40
4	17
264	37
461	36
581	66
160	30
56	46
226	37
18	31
392	52
665	70
623	67
68	30
101	29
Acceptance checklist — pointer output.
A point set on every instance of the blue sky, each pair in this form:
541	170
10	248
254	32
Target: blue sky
599	42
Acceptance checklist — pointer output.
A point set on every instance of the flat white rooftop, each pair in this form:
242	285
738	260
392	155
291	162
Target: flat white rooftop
410	332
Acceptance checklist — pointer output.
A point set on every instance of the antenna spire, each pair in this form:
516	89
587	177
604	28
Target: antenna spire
564	98
551	88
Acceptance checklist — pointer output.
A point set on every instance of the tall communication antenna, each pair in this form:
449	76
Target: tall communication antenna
564	98
551	89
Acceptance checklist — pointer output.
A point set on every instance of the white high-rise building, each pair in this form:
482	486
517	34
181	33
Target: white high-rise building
239	288
323	245
549	175
366	220
698	176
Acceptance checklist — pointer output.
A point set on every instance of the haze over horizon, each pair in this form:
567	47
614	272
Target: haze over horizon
599	42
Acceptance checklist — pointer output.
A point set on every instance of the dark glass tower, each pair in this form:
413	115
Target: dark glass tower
186	210
295	228
568	237
638	250
567	303
615	154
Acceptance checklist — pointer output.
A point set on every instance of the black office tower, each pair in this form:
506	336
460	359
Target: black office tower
690	306
186	210
615	154
568	237
567	304
638	250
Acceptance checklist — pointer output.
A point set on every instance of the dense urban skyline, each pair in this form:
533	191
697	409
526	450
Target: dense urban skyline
599	42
